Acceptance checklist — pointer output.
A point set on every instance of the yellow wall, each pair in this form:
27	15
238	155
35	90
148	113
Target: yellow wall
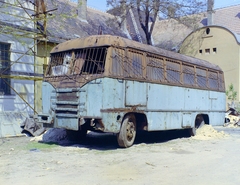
43	53
226	55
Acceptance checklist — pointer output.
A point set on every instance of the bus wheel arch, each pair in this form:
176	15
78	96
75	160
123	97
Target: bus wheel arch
200	120
127	134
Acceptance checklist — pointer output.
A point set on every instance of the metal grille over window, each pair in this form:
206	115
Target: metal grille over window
213	80
221	82
173	71
201	77
83	65
94	60
117	62
136	65
89	61
155	69
188	75
130	65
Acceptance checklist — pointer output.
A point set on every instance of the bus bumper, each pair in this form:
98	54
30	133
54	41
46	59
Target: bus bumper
45	119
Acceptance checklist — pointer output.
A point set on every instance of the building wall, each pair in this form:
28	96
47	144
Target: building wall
19	104
42	59
219	46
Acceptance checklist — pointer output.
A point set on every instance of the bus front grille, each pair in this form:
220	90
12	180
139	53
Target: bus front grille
67	103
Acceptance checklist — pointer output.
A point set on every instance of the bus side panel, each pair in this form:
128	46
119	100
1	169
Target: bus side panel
136	93
218	103
164	120
216	118
92	98
48	97
218	100
196	100
111	121
113	94
171	107
164	107
165	98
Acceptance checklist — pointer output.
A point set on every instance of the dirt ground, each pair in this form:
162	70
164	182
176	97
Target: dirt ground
168	158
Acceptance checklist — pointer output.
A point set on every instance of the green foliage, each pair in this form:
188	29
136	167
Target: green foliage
231	93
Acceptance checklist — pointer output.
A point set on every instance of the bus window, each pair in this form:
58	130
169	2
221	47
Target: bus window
173	71
201	77
155	69
94	61
188	75
61	68
78	62
117	61
137	64
221	83
133	65
212	80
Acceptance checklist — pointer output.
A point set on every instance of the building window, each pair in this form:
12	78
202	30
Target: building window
214	50
207	51
207	31
200	51
4	69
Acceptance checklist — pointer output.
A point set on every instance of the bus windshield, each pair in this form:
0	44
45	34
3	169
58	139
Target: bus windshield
77	62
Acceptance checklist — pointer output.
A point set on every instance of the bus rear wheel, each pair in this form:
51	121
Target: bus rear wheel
127	134
199	122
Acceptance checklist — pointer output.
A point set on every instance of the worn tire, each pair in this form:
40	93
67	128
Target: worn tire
127	134
199	122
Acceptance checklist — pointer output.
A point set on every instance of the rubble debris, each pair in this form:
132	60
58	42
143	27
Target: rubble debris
31	128
232	118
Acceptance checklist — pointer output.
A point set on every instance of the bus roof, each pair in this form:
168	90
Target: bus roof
109	40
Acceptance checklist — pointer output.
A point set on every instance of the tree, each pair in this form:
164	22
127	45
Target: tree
231	94
149	11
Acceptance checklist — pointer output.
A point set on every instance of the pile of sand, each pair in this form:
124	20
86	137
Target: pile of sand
207	132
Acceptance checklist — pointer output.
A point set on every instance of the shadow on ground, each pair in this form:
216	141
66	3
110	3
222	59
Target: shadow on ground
108	141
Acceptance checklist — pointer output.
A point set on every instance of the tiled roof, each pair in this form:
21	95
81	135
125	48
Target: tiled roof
228	17
64	23
169	34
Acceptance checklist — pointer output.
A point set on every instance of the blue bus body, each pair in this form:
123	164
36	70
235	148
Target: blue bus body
103	102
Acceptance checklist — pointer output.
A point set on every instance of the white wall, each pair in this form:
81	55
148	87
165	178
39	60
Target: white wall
13	110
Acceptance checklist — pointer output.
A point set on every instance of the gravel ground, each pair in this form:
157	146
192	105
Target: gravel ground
169	157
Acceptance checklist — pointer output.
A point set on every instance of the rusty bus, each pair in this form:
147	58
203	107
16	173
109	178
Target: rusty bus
112	84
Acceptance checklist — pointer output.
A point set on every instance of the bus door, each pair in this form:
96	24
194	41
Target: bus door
135	93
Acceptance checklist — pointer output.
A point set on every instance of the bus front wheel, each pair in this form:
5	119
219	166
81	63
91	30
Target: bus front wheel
127	133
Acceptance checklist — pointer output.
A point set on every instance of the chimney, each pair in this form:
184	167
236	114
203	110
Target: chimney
82	10
124	15
210	6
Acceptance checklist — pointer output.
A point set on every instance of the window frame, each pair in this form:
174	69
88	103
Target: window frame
5	68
